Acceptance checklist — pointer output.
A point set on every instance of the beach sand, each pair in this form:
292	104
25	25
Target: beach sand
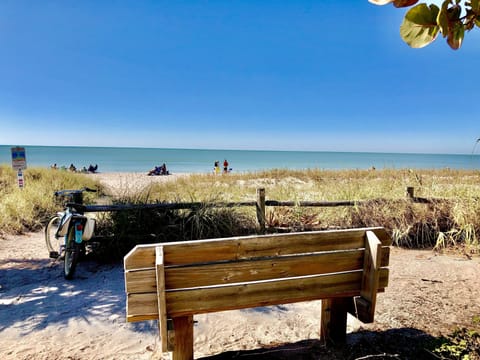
44	316
124	182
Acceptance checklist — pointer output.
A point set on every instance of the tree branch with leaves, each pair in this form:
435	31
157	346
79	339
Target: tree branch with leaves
423	23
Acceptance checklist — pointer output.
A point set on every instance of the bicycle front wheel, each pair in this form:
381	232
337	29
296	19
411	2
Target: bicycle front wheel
72	254
53	242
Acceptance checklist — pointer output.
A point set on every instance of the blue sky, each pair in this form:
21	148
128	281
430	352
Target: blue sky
290	75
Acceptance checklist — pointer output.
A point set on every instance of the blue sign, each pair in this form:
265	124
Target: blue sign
19	159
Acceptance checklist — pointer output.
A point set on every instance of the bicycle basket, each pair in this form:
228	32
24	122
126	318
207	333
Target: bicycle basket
88	229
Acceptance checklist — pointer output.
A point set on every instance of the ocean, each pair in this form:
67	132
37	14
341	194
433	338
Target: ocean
119	159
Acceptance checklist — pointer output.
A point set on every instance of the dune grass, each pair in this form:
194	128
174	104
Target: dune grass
28	208
452	218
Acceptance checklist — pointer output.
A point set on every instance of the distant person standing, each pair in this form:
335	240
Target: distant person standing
225	166
216	167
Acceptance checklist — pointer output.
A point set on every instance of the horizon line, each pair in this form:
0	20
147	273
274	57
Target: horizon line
236	149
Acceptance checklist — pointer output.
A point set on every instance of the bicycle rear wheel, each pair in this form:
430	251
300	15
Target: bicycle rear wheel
72	254
53	242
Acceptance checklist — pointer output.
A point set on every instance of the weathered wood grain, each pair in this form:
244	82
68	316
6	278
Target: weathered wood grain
188	252
245	295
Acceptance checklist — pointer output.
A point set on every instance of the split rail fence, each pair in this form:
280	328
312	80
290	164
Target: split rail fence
260	204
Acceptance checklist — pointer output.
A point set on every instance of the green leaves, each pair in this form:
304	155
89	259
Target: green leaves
442	19
423	23
455	35
420	28
451	24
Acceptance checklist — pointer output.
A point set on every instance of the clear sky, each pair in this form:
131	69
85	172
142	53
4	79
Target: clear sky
291	75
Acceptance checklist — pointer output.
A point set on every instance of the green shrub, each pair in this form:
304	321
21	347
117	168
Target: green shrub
462	344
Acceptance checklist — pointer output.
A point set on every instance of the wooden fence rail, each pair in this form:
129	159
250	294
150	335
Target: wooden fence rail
261	203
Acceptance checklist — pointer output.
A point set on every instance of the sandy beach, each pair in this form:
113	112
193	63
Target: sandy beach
120	182
44	316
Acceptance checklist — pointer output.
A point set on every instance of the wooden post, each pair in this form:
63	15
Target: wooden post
333	322
162	307
170	335
410	192
183	327
261	209
371	271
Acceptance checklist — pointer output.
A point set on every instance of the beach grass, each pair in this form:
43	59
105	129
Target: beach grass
28	208
451	218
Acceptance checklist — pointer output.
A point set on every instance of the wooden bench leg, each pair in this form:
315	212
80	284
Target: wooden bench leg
183	327
333	327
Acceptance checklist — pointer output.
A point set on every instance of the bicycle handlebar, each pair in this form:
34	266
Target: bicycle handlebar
79	191
80	208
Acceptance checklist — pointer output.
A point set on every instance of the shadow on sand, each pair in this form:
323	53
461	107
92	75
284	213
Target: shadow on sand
34	294
404	343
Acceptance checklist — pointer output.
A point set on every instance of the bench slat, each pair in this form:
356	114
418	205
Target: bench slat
370	279
141	307
161	301
143	256
263	269
218	298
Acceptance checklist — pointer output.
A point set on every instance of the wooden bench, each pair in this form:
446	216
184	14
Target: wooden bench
171	282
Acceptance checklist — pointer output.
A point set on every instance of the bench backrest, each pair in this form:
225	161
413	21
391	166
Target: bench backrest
194	277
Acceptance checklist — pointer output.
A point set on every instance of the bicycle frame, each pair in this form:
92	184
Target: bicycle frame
78	221
74	227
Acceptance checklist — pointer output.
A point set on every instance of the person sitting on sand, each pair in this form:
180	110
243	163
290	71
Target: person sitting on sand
72	168
54	166
155	171
92	168
163	170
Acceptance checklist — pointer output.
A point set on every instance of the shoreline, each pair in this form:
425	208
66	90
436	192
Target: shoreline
202	160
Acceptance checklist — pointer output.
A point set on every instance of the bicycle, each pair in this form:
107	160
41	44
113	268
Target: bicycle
68	230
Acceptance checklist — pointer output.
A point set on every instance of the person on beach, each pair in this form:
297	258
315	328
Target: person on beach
155	171
72	168
163	170
216	167
225	166
159	170
54	166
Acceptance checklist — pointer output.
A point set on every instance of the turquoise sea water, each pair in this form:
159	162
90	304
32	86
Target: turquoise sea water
201	161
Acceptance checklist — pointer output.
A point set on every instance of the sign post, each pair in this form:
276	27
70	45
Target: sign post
20	179
19	162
